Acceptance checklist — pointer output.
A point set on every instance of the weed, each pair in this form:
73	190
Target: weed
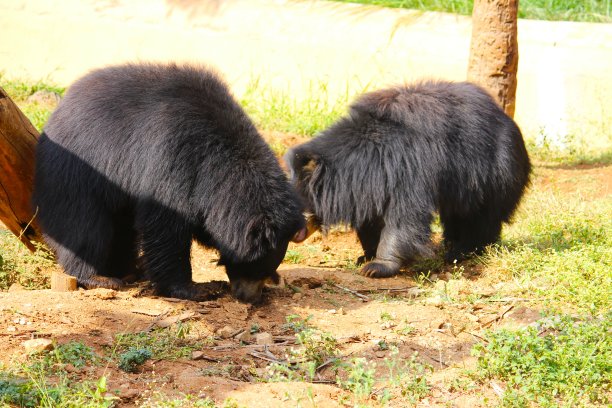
360	379
409	375
159	400
296	323
133	358
559	361
19	265
164	344
74	353
294	257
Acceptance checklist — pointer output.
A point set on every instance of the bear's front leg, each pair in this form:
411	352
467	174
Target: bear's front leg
369	236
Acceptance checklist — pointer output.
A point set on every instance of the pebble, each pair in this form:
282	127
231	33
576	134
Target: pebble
16	287
297	296
264	339
226	332
197	355
37	345
245	337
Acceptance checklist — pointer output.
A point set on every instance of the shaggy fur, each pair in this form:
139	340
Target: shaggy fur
143	158
404	153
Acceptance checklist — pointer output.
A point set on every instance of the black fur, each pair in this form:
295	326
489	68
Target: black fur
404	153
143	158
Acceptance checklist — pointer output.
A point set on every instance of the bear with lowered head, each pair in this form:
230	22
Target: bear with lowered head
139	160
403	154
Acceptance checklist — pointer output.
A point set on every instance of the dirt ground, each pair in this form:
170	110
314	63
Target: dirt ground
324	284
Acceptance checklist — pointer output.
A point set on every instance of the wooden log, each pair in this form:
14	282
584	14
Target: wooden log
493	61
17	153
60	282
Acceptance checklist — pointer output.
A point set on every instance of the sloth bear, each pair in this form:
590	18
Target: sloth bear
403	153
138	160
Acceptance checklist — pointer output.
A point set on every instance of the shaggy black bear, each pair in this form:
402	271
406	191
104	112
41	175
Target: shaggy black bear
138	160
405	152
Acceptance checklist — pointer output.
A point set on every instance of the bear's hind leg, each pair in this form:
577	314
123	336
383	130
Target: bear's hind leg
470	234
84	248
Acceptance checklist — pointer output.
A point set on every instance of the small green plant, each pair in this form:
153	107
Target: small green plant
360	379
296	323
314	349
293	256
559	361
133	358
19	265
409	375
74	353
165	344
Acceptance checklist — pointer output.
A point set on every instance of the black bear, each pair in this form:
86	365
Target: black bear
138	160
403	153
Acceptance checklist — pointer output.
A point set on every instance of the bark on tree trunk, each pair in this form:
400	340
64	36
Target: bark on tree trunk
17	153
493	59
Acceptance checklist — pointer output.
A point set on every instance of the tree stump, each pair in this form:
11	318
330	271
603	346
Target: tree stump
17	154
493	59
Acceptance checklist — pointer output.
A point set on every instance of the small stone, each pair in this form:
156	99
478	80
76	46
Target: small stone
379	354
197	355
244	337
472	317
446	276
264	339
341	311
297	296
44	97
105	294
226	332
11	329
16	287
332	311
37	345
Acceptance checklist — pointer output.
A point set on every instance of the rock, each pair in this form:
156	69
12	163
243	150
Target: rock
197	355
37	345
16	287
104	294
44	97
244	337
226	332
127	394
264	339
297	296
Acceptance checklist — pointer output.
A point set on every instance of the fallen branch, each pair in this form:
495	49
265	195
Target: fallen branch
363	298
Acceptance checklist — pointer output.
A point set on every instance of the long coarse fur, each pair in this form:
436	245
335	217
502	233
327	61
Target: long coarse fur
145	157
404	153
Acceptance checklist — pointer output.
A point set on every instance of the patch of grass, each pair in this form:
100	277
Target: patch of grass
164	344
281	111
159	400
74	353
19	265
559	249
20	90
558	362
32	388
571	150
566	10
314	348
293	257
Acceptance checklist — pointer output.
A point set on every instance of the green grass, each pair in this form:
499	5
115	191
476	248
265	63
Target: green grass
559	250
558	362
20	90
44	380
280	111
19	265
563	10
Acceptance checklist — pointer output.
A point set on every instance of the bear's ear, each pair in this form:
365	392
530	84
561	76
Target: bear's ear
300	162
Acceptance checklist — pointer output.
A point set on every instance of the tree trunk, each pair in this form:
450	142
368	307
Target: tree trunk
494	50
17	152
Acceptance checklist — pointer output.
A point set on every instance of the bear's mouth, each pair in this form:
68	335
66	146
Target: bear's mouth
248	291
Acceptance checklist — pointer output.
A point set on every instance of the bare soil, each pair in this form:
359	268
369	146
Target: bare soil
322	284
